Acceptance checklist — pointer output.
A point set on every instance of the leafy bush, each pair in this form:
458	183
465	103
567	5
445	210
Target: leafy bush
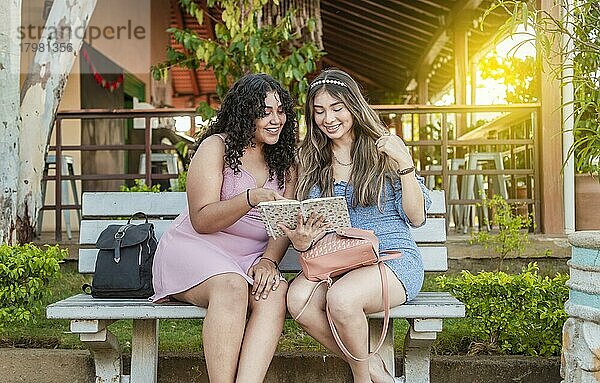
25	272
181	181
140	186
512	230
512	313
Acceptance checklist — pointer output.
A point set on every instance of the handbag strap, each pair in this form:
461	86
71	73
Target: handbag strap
386	308
386	320
329	282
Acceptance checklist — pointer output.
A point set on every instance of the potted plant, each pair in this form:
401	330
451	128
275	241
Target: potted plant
580	23
586	131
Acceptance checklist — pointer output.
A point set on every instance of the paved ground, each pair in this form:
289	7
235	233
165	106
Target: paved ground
76	366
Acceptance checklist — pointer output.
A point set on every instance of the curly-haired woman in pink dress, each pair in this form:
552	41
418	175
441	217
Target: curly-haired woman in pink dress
217	254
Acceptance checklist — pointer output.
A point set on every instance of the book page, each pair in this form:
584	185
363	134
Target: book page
333	209
284	211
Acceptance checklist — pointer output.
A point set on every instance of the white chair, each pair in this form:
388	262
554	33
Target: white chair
430	180
473	186
454	211
171	161
67	168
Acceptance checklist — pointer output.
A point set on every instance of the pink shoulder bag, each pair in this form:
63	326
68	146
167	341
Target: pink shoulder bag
337	253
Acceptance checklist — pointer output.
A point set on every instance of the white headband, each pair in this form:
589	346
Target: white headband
327	81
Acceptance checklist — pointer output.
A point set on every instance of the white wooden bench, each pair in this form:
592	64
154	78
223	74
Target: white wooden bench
90	317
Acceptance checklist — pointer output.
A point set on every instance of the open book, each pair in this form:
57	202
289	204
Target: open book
334	209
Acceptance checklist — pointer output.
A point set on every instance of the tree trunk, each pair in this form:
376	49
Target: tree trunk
10	56
40	97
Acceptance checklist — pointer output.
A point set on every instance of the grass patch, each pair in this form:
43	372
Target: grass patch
186	334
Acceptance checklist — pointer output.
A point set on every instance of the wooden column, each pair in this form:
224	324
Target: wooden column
550	140
461	67
473	93
423	94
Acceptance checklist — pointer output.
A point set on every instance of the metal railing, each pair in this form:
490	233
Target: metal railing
97	114
431	129
515	131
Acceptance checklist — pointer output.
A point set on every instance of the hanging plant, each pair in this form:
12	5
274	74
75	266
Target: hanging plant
242	44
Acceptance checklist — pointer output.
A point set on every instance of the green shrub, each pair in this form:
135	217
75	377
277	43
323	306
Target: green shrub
181	181
25	272
140	186
512	230
512	313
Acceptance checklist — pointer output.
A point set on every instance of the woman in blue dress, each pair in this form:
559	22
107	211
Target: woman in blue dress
348	152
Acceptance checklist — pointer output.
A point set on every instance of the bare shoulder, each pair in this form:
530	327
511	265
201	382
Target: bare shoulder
209	154
212	145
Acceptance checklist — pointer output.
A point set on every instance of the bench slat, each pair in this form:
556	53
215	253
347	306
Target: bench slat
120	204
434	259
91	229
438	202
115	204
80	307
434	230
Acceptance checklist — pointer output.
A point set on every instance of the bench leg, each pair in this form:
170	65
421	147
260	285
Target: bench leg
387	349
417	347
144	351
104	347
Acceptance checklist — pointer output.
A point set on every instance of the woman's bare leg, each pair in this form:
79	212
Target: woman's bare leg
313	320
354	295
226	298
263	331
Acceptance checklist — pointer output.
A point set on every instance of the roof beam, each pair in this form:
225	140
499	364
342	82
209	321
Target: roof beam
345	21
208	19
369	39
358	61
461	9
345	6
400	15
364	80
374	48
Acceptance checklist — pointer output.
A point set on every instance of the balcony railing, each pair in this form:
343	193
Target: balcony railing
435	134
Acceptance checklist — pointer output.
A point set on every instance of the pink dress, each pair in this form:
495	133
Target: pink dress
184	258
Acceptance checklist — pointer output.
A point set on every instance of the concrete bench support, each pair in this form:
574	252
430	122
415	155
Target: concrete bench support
144	351
104	346
417	351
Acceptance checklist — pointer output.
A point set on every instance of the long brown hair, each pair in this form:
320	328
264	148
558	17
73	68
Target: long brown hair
369	168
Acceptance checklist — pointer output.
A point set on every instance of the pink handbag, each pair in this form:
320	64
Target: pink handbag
338	253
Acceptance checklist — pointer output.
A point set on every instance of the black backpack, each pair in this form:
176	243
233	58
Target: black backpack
124	262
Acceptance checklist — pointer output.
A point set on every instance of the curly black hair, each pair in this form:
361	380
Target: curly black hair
241	107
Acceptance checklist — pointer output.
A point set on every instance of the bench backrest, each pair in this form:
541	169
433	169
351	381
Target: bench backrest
104	208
